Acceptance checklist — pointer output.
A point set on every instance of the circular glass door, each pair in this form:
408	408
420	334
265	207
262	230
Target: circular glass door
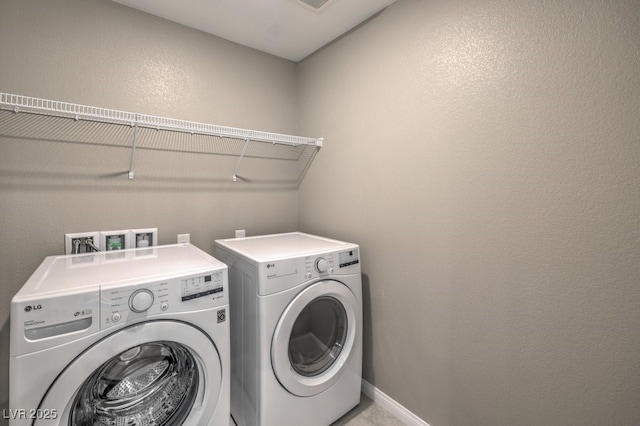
314	338
148	374
318	336
150	384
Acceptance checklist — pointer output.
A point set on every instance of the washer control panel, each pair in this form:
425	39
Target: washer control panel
124	303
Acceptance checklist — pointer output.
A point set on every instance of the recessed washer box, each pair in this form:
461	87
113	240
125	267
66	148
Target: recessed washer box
81	237
115	240
145	237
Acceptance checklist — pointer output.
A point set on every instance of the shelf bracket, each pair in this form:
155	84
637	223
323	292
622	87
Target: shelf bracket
133	148
235	171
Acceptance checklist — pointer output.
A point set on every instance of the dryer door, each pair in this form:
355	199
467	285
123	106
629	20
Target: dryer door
154	373
314	338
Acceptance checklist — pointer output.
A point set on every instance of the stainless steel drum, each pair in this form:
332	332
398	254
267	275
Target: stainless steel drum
153	384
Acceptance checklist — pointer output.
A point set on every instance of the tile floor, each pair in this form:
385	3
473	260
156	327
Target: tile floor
367	413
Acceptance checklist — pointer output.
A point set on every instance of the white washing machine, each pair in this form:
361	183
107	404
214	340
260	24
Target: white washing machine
296	328
134	337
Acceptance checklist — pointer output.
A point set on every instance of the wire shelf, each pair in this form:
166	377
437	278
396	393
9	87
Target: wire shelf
284	147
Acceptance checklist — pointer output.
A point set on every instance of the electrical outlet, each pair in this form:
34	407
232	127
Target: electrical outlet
115	240
81	242
240	233
184	238
144	237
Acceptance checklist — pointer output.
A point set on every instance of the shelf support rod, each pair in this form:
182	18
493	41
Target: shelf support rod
309	161
235	171
133	148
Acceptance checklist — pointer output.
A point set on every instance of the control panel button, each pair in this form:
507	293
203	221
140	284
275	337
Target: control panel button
116	317
141	300
164	306
321	264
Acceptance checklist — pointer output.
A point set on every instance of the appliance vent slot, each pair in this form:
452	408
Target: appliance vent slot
316	4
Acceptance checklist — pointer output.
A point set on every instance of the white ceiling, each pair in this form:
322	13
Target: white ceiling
289	29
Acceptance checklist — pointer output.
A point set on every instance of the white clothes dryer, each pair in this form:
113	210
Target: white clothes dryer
134	337
296	328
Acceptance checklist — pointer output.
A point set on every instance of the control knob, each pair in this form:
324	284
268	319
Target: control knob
321	264
141	300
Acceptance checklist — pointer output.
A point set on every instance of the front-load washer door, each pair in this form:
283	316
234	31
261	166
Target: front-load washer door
156	373
314	338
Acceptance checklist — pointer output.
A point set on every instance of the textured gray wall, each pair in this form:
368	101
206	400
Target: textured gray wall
486	155
97	52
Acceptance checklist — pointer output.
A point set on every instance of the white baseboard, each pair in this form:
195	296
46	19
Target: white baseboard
391	406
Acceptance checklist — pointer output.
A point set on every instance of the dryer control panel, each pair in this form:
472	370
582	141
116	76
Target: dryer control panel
282	274
121	304
331	263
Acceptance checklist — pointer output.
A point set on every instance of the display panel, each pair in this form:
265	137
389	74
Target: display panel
192	288
347	258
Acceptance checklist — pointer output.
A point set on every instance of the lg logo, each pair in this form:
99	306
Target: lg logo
271	265
30	308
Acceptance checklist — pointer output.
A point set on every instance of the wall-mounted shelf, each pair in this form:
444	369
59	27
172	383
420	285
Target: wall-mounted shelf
145	132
